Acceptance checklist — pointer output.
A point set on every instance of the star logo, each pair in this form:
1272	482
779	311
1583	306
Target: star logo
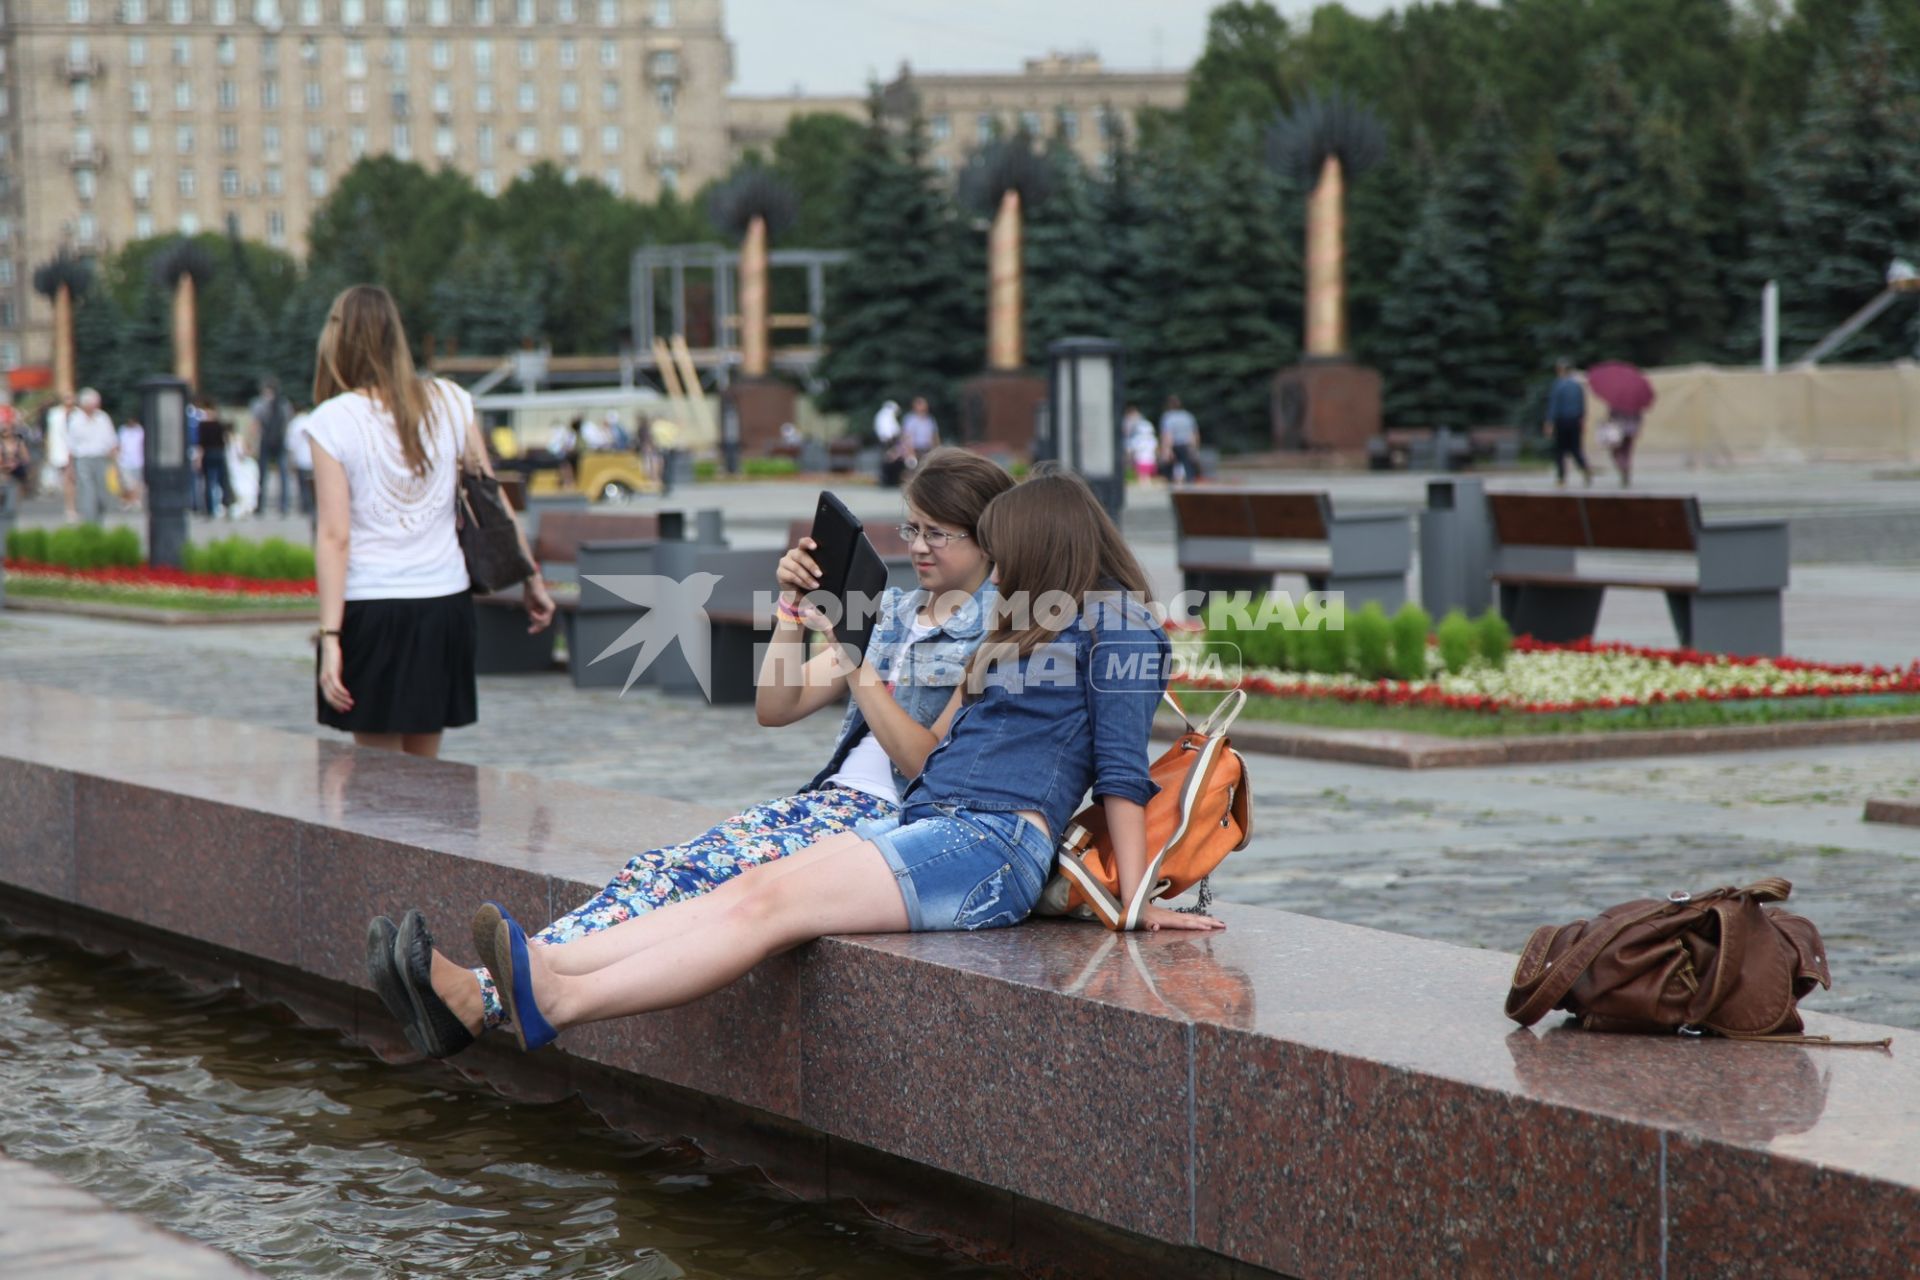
674	608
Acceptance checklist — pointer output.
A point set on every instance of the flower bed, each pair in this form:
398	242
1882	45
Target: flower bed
1548	679
155	586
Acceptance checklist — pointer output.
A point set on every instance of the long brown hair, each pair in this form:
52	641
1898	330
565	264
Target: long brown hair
363	347
1048	534
955	485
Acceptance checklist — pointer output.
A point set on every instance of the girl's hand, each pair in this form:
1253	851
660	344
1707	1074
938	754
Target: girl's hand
843	662
797	571
539	603
1154	919
330	687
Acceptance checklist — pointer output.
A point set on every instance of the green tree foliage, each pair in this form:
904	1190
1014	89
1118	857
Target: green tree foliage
815	153
101	354
1063	254
484	303
393	223
1450	351
233	359
906	316
1242	72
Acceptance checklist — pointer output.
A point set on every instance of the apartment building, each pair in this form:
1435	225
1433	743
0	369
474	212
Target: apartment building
1068	93
123	119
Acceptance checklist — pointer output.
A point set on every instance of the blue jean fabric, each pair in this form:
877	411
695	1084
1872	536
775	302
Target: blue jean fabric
963	869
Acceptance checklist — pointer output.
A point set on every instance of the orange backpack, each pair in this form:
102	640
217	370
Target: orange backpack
1202	812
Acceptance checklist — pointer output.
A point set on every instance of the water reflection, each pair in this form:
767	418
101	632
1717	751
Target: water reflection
303	1155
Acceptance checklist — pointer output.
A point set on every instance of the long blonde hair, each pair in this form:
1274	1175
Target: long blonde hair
363	347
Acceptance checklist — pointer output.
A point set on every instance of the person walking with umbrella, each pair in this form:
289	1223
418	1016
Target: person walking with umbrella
1566	422
1628	395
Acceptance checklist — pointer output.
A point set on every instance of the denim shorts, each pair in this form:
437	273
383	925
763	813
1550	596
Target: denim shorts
962	868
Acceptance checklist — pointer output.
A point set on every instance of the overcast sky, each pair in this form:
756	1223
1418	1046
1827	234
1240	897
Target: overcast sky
836	46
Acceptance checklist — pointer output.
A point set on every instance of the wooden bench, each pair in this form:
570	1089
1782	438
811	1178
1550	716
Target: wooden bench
1226	540
1723	581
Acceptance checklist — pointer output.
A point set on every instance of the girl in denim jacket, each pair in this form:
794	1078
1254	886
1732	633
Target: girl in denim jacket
921	642
1058	698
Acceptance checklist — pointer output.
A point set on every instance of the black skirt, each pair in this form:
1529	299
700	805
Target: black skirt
408	664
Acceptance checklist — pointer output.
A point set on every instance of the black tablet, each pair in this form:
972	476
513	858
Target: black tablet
851	571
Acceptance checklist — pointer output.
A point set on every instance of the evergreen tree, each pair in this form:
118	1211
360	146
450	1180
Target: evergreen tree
1225	324
298	332
483	305
1065	286
233	358
1448	346
1623	262
905	317
100	353
1846	195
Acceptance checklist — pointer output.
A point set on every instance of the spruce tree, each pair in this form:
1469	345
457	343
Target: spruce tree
1846	198
100	352
905	316
1448	346
1623	263
484	305
1065	286
1127	243
234	359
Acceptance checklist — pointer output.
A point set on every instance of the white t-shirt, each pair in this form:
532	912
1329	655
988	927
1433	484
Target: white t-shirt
299	446
57	454
133	447
90	434
402	544
868	767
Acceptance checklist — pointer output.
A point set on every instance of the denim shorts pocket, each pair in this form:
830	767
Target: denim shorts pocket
998	901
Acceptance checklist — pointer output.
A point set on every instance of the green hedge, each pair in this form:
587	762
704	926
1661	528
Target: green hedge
78	546
272	559
1366	642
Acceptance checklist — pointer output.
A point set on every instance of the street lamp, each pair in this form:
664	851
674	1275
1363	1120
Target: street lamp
1085	390
163	407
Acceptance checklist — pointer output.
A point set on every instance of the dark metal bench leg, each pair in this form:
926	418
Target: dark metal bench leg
1747	624
1555	615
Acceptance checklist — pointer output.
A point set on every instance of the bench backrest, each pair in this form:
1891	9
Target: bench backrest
1281	514
885	537
1603	523
562	532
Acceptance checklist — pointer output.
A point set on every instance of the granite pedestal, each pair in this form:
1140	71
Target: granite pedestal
1328	406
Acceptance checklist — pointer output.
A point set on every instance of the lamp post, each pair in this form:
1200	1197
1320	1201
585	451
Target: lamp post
163	407
1085	389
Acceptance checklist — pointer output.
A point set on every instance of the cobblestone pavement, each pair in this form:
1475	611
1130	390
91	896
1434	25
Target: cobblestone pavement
1477	857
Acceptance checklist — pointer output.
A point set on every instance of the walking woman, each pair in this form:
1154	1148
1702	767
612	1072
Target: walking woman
921	642
396	633
1056	699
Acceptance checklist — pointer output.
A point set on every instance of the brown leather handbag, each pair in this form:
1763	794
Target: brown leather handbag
1712	962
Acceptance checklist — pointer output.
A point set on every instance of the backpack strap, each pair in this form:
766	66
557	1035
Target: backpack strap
1539	983
1190	788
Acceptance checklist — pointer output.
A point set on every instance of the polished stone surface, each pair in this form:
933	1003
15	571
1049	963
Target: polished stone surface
52	1231
1294	1093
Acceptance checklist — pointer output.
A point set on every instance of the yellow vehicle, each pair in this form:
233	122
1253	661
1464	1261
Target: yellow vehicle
608	476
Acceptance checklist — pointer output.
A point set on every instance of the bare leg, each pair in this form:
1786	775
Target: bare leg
424	745
377	741
840	885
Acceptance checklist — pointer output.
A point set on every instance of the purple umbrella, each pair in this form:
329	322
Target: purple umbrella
1621	385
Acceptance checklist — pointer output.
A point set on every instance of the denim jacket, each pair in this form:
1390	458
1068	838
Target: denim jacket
923	674
1075	714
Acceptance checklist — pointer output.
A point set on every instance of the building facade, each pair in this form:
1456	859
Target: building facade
124	119
1070	95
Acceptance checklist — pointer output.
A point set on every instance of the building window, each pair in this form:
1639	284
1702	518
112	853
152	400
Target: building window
82	97
439	12
270	93
266	12
276	181
665	96
609	13
569	95
309	52
86	229
223	13
442	97
483	57
609	95
9	319
940	127
353	13
85	184
77	11
443	142
178	11
662	13
357	141
609	54
189	224
526	98
133	12
6	103
565	11
315	96
143	226
483	12
397	57
396	13
82	140
609	139
528	58
270	139
666	137
309	13
229	139
1070	125
570	139
488	183
523	12
528	140
142	140
316	182
663	65
230	182
483	97
569	55
441	55
229	95
1030	123
399	104
357	98
356	59
143	184
316	140
983	127
183	95
137	51
187	183
403	140
669	177
183	140
269	51
483	143
182	52
276	227
614	181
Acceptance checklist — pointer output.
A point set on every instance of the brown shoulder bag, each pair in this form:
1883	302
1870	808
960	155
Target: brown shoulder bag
1695	963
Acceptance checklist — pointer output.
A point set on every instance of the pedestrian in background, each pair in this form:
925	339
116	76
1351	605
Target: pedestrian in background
91	444
271	413
1567	422
1143	443
397	631
921	432
1180	442
133	464
57	453
216	481
300	454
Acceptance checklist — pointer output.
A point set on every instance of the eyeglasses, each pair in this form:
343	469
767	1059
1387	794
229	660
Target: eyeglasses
934	538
